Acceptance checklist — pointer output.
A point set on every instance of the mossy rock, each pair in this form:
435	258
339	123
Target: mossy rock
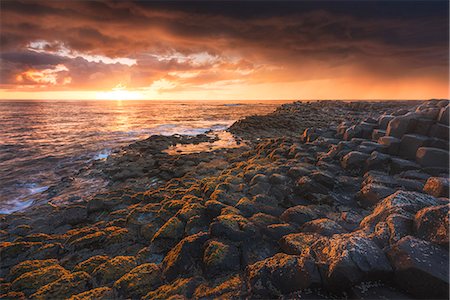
30	282
93	240
28	266
184	287
90	264
66	286
220	257
229	287
113	269
138	281
101	293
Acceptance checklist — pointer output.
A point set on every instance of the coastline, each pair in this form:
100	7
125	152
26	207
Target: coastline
262	220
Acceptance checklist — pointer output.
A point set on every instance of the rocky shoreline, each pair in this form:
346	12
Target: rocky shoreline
323	200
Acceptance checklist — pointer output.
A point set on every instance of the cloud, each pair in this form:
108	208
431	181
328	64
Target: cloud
173	46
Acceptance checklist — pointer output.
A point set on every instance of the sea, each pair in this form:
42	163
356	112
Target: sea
44	142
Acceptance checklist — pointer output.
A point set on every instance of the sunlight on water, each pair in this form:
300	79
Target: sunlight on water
46	142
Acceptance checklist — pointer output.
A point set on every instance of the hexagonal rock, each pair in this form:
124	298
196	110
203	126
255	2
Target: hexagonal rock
138	281
297	243
396	212
282	274
384	121
437	186
377	133
324	226
440	131
409	145
113	269
431	224
391	144
220	257
354	160
420	268
348	259
432	157
64	287
401	125
185	257
371	194
444	115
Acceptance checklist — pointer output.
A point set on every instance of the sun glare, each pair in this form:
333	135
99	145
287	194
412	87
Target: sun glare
119	94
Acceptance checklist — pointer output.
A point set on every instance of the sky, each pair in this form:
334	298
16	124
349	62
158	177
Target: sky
226	50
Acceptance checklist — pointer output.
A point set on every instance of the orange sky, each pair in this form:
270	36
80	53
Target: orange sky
224	51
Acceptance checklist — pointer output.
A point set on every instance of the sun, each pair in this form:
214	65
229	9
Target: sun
119	93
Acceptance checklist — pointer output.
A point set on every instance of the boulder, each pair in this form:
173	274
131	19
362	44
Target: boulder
29	266
185	257
64	287
113	269
138	281
348	259
282	274
439	131
101	293
378	161
437	186
220	257
432	157
31	281
409	145
423	126
420	268
183	287
372	193
234	227
384	120
398	165
400	125
354	161
377	133
297	243
391	144
324	226
301	214
443	116
431	224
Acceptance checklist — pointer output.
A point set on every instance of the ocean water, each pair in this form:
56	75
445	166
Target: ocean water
46	142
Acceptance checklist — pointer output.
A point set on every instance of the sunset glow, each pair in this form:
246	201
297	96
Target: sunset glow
248	52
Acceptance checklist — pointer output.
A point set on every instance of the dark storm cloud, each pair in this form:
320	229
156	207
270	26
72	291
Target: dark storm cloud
390	38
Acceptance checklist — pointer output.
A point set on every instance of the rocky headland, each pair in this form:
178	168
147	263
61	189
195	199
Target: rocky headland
317	200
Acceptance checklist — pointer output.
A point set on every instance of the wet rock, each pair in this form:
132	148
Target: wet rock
282	274
138	281
113	269
432	157
185	257
431	224
64	287
349	259
220	257
30	282
421	268
437	186
101	293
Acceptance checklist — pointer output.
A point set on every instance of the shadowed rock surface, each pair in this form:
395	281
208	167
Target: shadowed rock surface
324	199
